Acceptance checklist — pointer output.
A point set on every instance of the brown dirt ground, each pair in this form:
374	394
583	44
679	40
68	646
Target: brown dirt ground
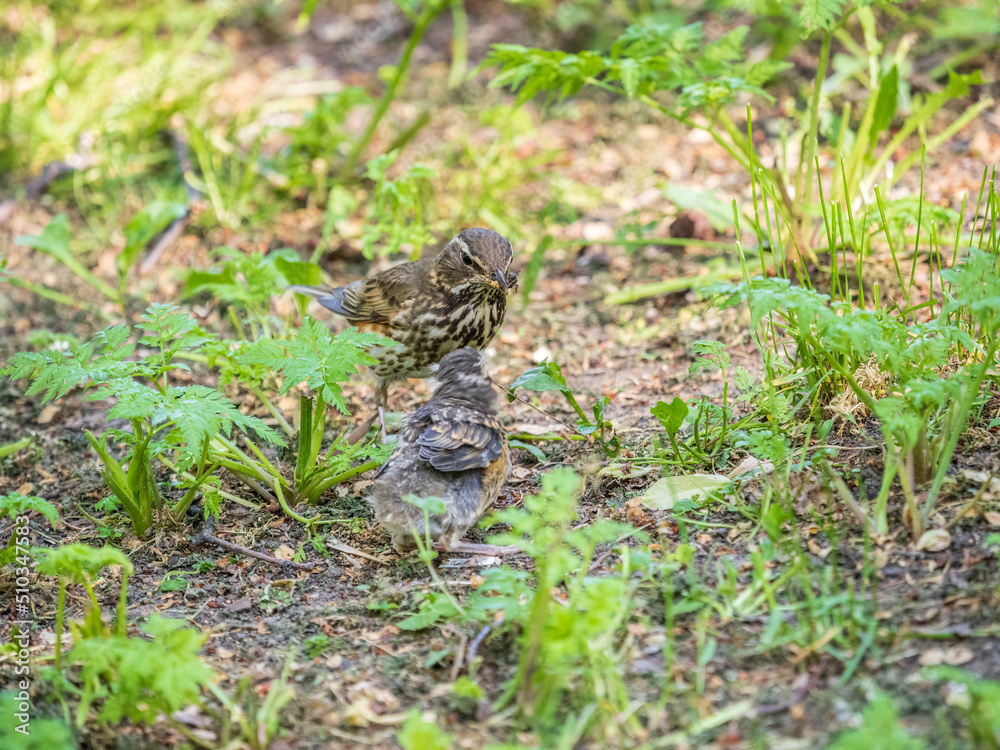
354	694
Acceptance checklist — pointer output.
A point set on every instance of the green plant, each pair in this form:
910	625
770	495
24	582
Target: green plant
568	682
435	606
397	214
246	284
54	242
880	731
136	679
163	416
977	699
418	733
919	367
315	645
256	720
16	506
11	449
322	135
78	563
651	60
130	677
21	730
323	363
547	376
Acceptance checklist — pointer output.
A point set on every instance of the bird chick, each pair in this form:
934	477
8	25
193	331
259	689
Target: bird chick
429	307
454	448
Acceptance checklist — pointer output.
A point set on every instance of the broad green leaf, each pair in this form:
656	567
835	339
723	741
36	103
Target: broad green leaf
420	734
719	213
545	376
145	225
296	272
671	415
9	449
885	105
54	239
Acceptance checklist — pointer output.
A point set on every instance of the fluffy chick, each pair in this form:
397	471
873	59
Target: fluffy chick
454	448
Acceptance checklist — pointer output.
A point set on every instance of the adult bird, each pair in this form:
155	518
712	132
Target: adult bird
429	307
453	448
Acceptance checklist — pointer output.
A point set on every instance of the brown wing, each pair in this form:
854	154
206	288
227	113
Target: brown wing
460	438
375	299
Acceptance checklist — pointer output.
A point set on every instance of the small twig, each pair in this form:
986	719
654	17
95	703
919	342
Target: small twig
205	536
177	225
532	406
480	637
349	550
456	667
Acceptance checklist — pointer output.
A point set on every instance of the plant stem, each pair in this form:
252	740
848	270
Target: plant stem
430	12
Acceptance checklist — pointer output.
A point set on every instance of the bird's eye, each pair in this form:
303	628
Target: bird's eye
467	259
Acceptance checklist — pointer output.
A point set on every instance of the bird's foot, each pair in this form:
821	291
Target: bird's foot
381	420
462	547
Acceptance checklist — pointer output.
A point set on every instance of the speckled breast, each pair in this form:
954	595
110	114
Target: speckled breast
427	332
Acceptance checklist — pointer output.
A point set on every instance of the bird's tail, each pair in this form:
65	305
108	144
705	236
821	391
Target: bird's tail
330	298
316	292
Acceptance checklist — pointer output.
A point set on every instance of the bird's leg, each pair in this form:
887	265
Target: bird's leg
381	400
463	547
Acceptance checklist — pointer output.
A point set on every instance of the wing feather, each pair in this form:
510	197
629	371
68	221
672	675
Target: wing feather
459	439
375	299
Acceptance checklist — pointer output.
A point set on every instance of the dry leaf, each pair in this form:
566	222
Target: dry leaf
47	414
284	552
992	517
934	540
953	655
751	464
664	493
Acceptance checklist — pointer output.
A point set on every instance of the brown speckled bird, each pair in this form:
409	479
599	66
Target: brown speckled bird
454	448
432	306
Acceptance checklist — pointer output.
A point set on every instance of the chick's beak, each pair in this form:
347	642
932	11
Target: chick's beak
501	278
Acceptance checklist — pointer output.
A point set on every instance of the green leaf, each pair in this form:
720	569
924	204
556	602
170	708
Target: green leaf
762	72
545	376
146	224
534	267
434	608
54	239
9	449
433	505
15	504
138	679
885	105
173	584
296	272
74	560
420	734
820	14
671	415
313	357
534	450
880	730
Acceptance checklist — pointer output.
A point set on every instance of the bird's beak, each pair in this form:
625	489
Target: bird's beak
501	279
